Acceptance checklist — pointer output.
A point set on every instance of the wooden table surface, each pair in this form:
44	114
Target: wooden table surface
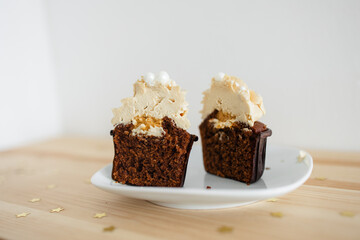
58	172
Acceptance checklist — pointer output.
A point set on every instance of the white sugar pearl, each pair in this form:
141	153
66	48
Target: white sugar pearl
163	77
219	76
243	88
149	78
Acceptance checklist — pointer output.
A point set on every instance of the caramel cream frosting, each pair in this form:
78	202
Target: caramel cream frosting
234	101
155	97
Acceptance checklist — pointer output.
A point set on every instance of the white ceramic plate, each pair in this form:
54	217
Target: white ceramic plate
285	175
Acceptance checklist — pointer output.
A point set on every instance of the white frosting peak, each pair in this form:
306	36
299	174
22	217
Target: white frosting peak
232	96
149	78
219	76
162	77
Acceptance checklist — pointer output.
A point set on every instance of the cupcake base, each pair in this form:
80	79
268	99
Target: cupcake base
236	152
143	160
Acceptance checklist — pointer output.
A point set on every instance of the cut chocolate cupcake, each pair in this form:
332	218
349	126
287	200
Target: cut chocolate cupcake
233	141
151	143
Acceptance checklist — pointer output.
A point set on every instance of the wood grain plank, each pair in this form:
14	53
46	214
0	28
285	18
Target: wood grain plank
310	212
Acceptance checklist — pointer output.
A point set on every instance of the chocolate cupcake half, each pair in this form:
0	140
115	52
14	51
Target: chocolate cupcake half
233	141
151	143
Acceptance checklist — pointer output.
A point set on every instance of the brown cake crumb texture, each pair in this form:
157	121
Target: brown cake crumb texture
151	161
236	152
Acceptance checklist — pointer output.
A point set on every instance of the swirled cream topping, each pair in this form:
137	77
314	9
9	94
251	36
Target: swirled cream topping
234	101
155	97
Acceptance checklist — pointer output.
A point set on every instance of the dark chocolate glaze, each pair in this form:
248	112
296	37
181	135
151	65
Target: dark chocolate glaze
260	155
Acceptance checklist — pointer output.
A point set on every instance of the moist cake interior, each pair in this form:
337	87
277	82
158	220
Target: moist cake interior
236	151
145	160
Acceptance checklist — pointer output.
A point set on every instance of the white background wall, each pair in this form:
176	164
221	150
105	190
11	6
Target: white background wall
29	107
303	57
